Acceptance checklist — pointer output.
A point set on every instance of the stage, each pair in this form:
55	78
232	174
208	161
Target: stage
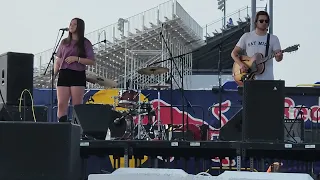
201	152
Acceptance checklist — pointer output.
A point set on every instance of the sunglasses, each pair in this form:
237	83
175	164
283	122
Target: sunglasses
266	21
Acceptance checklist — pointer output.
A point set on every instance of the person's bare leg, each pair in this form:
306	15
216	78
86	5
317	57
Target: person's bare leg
77	93
63	96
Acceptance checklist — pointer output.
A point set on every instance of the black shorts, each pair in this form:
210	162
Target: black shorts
68	78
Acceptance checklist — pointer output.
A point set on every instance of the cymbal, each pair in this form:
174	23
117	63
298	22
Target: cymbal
95	79
153	70
159	86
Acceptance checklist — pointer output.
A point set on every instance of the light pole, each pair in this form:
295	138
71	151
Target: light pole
253	13
222	7
271	16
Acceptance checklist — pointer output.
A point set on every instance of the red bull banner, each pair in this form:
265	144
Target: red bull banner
201	107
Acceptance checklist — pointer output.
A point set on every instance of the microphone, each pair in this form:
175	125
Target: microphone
64	29
161	30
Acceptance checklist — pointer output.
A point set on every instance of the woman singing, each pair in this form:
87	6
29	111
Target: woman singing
74	53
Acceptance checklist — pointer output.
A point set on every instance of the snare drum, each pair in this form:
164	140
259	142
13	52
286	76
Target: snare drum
128	98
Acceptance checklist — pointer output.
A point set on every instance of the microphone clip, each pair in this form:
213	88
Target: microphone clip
64	29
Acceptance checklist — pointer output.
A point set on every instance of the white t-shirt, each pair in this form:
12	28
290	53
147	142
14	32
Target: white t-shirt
253	43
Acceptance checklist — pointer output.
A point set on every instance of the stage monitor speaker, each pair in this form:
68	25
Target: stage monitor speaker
39	151
16	75
11	113
294	130
232	130
95	119
263	111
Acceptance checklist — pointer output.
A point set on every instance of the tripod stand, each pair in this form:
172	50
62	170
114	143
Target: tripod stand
173	64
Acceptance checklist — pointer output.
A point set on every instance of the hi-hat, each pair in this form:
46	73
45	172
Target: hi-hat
159	86
153	70
95	79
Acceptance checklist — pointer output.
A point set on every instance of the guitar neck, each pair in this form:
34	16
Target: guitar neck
271	56
247	58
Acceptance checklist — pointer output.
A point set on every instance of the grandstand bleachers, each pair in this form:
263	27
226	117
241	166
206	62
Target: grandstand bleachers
134	42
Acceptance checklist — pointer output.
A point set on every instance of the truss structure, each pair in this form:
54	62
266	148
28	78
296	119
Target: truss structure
134	43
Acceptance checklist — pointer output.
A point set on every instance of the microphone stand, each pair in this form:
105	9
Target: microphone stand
103	41
171	83
52	73
220	49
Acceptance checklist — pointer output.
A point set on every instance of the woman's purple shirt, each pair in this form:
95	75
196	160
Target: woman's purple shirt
66	50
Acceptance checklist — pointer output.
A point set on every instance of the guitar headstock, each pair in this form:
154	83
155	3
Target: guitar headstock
292	48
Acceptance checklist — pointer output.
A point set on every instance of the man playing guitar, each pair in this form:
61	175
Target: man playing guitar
256	42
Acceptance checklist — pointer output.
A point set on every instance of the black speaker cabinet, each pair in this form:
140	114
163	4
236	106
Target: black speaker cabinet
95	119
232	131
263	111
39	151
16	75
11	113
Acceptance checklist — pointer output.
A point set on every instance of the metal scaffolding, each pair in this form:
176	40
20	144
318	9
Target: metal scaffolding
133	43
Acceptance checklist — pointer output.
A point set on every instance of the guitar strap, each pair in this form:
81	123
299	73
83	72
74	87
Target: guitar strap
267	46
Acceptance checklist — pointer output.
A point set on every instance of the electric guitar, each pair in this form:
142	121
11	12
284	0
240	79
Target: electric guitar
256	65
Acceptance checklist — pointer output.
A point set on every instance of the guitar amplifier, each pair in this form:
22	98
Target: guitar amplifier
263	111
294	130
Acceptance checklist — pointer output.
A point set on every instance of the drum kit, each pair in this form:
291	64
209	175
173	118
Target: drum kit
136	107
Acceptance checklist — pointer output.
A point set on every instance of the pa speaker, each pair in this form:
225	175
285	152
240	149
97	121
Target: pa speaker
263	110
232	130
96	119
16	75
39	151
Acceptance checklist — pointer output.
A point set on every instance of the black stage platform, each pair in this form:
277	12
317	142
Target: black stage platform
202	149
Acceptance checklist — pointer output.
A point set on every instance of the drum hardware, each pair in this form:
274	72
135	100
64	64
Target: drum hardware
130	99
128	134
160	132
115	102
148	111
141	130
153	70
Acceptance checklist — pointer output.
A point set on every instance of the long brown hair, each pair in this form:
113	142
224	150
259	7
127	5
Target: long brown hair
261	13
80	33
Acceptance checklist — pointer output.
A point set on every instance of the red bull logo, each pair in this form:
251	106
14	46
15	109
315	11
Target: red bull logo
177	115
225	107
308	113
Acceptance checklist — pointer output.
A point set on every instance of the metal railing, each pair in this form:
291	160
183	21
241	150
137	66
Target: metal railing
238	15
188	20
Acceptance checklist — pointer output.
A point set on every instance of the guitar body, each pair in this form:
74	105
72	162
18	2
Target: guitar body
255	64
